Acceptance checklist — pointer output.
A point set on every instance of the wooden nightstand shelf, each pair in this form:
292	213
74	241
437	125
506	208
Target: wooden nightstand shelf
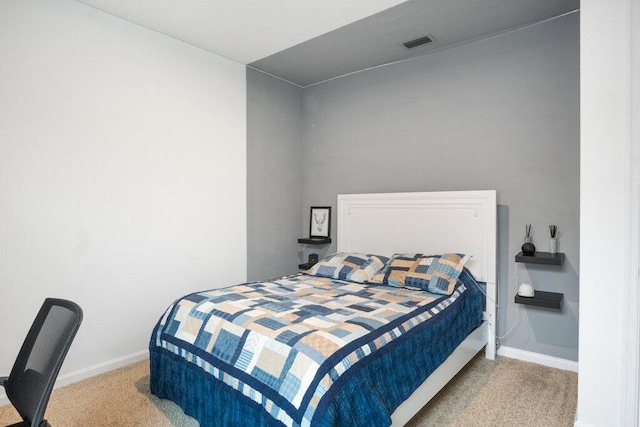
542	298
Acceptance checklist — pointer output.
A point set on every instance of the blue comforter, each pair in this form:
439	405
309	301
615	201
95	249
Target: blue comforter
304	350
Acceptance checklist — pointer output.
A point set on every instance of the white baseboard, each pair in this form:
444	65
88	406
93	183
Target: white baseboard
91	371
72	377
540	359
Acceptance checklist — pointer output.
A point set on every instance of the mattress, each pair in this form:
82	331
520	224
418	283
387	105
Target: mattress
304	350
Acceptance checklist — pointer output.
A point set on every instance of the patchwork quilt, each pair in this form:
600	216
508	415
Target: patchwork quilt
286	346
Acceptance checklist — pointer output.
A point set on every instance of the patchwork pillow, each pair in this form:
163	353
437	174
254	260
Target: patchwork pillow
354	267
395	270
437	274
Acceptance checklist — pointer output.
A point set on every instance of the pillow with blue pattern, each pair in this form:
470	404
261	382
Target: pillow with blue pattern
437	274
395	270
353	267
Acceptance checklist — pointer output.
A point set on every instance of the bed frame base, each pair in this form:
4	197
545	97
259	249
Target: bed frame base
441	376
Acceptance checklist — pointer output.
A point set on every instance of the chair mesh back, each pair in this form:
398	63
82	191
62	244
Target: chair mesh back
41	356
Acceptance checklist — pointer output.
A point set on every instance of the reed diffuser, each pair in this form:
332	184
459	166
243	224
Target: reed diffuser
553	241
528	248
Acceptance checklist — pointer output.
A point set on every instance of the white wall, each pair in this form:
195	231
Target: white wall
604	206
122	174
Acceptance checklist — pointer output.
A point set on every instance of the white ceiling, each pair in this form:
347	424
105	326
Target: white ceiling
308	41
242	30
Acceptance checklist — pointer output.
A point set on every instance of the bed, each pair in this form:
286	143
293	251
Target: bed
350	345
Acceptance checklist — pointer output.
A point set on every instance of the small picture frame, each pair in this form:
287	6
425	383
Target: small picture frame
320	222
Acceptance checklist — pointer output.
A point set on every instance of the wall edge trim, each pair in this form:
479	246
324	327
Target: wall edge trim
91	371
539	358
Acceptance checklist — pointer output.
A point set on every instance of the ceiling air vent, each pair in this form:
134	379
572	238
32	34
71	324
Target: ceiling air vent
417	42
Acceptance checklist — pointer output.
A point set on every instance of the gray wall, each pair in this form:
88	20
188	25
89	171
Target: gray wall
274	176
501	113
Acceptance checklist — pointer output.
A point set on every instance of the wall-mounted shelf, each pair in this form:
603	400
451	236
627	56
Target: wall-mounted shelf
312	241
315	240
306	265
544	258
542	299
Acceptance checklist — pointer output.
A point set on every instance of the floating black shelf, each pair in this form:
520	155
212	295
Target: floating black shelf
544	258
315	240
306	265
542	299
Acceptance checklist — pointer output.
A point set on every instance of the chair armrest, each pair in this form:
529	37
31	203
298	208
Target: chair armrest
3	380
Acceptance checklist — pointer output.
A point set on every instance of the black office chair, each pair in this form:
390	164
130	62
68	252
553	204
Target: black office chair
43	351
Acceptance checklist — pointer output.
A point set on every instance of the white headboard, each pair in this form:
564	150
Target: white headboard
430	223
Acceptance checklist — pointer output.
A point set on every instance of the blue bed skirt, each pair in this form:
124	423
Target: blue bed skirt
365	395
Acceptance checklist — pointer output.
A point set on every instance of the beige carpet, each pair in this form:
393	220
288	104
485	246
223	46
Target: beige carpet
506	392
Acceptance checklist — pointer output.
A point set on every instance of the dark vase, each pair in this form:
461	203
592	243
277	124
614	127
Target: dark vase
528	248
